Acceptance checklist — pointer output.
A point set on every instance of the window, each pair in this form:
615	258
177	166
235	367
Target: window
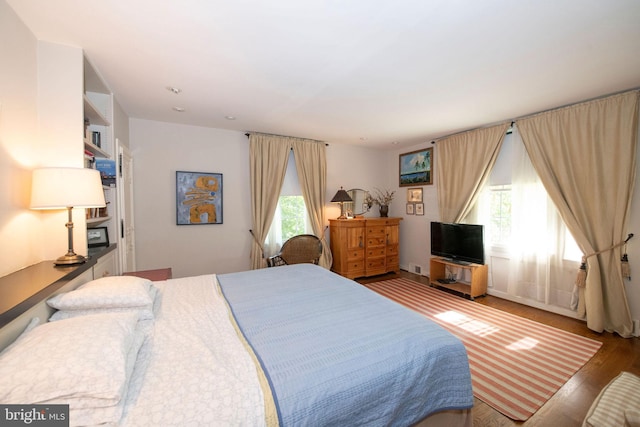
291	217
500	208
530	251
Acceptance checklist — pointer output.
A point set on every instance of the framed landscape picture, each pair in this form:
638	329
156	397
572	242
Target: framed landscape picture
416	168
198	198
97	237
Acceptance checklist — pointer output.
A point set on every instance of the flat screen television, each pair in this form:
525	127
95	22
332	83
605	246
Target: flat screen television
462	243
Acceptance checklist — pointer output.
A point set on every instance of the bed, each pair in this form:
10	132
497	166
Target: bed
292	345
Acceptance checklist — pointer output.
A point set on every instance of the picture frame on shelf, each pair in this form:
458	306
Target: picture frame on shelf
419	208
416	168
97	237
198	198
96	139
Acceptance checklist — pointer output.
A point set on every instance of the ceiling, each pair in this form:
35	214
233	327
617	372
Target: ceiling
377	73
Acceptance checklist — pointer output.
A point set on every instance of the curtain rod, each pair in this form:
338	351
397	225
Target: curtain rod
247	134
513	121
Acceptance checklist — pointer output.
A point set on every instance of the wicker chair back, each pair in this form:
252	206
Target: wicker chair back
305	248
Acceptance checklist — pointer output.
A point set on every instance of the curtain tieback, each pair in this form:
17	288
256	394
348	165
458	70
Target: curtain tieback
581	280
259	244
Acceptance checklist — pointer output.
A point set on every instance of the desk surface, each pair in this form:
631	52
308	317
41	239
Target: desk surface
21	289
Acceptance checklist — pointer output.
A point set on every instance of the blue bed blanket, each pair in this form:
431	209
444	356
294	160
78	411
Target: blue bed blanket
336	353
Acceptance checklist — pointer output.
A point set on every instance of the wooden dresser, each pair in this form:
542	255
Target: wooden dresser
365	247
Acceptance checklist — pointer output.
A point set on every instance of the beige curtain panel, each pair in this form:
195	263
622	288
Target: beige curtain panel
585	156
311	165
463	165
268	158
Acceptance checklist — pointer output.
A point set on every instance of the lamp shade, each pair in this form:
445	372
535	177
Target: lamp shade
59	188
341	196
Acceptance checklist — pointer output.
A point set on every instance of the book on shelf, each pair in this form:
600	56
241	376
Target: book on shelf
107	168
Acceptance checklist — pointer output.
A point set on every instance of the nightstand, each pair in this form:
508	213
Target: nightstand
153	275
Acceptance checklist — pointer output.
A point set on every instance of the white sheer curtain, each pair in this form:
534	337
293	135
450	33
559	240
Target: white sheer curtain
538	237
532	268
290	187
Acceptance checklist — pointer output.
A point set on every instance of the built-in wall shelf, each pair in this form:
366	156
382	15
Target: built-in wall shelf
99	144
97	151
97	220
92	113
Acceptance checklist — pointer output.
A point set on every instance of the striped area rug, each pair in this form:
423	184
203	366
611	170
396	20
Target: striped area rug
516	364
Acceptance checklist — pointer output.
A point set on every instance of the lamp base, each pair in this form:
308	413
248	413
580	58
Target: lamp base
70	259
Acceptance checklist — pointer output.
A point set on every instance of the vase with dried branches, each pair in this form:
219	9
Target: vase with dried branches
382	199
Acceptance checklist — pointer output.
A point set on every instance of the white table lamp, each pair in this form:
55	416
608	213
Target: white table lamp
67	188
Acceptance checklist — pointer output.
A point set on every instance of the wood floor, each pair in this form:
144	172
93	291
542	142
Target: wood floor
569	405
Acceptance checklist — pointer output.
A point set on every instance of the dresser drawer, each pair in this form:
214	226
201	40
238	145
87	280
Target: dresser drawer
393	262
375	242
353	266
355	254
376	252
378	231
376	264
392	249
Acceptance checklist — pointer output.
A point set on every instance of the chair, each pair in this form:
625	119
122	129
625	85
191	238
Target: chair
305	248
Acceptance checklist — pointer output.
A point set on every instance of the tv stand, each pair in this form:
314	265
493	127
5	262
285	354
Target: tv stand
475	288
456	261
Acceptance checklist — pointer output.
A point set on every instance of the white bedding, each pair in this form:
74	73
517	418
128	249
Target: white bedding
188	355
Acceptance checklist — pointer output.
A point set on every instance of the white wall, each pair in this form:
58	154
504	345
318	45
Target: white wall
352	166
160	149
40	125
18	132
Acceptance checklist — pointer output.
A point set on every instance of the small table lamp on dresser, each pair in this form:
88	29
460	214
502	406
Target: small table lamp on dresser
341	197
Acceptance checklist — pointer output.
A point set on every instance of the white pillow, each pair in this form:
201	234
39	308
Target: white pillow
610	408
107	292
87	359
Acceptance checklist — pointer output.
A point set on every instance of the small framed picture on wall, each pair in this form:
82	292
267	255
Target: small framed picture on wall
409	208
419	208
414	195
